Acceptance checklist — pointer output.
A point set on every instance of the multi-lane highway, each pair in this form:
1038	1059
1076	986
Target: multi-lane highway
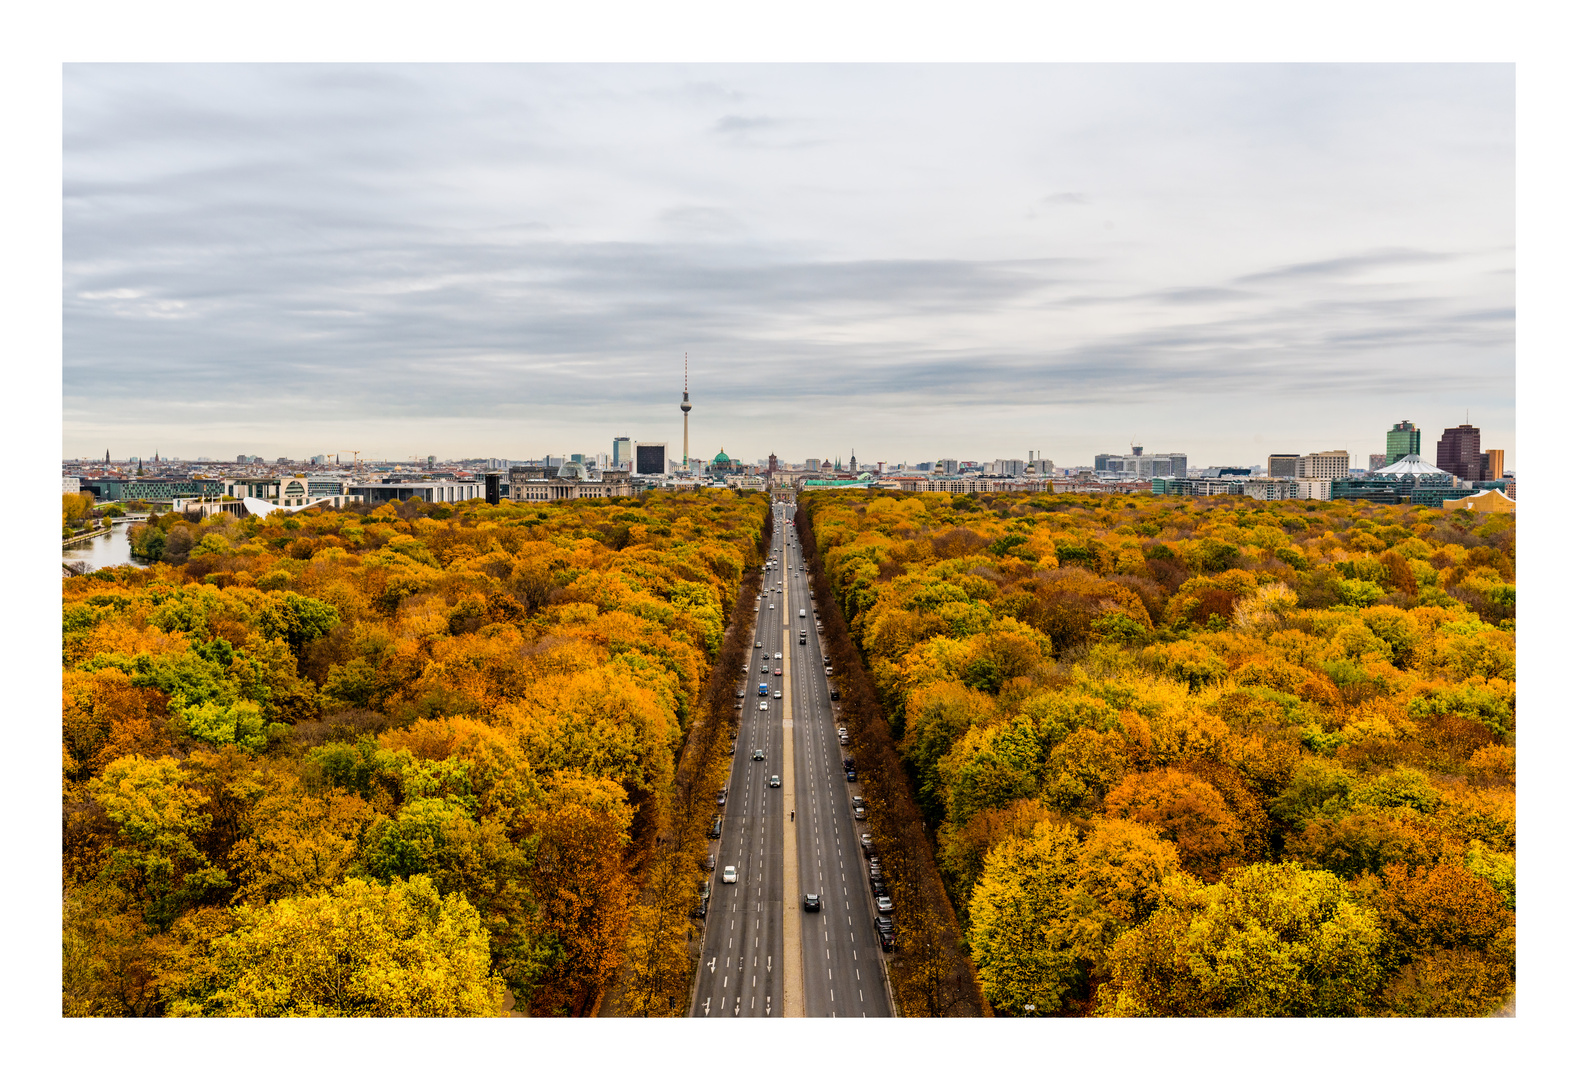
762	953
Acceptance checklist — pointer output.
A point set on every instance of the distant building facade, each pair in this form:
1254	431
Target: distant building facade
1401	441
1325	465
1282	465
1457	452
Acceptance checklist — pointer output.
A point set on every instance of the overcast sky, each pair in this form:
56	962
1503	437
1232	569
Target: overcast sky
907	261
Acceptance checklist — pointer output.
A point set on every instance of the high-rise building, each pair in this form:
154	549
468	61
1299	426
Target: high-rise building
1458	452
1492	464
1401	441
1378	461
623	452
947	466
1282	465
812	465
651	459
1326	465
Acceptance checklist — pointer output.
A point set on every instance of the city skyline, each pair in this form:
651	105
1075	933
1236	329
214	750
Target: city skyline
1228	260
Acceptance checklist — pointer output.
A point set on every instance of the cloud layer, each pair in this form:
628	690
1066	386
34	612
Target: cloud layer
913	261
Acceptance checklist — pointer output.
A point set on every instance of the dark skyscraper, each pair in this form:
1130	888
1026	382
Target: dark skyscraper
1458	452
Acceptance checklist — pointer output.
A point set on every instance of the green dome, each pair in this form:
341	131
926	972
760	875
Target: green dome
721	459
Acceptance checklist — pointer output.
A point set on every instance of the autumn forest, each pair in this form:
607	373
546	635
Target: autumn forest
1208	757
1164	757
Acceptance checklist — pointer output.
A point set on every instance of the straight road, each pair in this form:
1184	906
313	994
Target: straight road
747	966
843	966
741	971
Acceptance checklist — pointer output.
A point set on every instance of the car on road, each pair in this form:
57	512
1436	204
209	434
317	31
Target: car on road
731	876
778	672
764	669
772	607
773	781
812	902
884	905
778	694
778	656
758	755
758	644
715	830
762	705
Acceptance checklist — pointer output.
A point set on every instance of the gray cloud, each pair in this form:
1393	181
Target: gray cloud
514	259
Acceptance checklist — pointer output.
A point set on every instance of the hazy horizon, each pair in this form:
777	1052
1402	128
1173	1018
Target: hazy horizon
913	261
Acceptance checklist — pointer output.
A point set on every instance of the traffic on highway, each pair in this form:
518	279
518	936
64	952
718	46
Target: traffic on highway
793	926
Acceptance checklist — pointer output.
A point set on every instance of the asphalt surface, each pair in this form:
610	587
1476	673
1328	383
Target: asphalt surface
741	969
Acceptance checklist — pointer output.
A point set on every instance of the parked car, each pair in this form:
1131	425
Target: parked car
879	888
843	740
833	693
731	876
860	813
739	693
723	795
857	800
715	830
812	902
849	774
711	861
884	905
884	928
867	844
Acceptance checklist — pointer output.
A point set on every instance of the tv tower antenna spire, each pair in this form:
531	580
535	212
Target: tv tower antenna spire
684	407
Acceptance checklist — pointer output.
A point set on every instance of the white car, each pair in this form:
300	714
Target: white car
730	875
778	693
778	656
762	706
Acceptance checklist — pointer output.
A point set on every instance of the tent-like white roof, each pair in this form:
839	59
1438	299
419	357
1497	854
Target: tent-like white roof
1412	467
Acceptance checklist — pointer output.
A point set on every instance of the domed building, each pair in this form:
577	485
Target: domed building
722	465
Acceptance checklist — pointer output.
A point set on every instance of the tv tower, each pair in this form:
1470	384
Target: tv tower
684	407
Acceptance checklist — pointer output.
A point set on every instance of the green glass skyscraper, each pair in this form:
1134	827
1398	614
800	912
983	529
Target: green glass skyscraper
1401	441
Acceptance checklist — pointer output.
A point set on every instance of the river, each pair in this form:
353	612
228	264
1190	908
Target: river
110	549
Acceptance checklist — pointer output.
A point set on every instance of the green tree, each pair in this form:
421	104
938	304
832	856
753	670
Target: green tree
1269	940
361	949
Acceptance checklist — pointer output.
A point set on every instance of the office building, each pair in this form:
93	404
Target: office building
1378	461
431	491
1458	452
1284	466
1139	465
1265	488
1325	465
1492	464
1312	489
651	459
1401	441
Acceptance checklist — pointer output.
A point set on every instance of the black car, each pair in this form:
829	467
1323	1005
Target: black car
812	902
833	694
879	888
849	774
849	763
884	928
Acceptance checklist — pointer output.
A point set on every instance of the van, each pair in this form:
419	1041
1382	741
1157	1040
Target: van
802	613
